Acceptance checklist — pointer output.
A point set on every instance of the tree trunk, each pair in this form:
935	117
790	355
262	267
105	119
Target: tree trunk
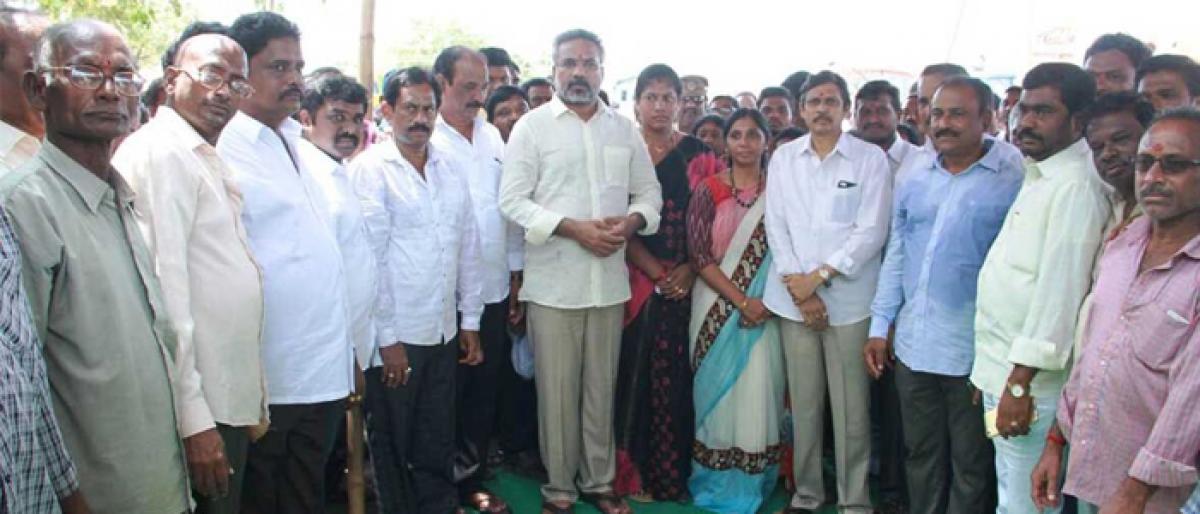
366	49
356	485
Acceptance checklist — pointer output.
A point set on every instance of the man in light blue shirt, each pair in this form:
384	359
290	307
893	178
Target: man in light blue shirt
945	217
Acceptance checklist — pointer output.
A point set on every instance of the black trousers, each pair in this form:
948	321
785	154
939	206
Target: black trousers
410	430
517	419
237	442
478	387
285	470
948	452
888	432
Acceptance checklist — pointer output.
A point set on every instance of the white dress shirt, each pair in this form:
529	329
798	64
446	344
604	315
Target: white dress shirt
1038	272
307	352
833	211
423	233
16	147
189	213
901	156
358	261
559	166
480	160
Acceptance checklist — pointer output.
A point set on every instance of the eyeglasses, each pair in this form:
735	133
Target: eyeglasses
213	80
84	76
1169	164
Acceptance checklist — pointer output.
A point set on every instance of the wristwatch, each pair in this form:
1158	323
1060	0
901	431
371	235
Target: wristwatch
826	277
1017	390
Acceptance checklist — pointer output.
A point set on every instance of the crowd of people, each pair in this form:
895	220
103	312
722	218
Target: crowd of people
988	303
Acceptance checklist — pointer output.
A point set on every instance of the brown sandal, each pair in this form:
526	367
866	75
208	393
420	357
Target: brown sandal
548	507
484	502
607	503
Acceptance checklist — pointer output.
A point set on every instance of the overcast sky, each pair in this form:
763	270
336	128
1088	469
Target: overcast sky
743	45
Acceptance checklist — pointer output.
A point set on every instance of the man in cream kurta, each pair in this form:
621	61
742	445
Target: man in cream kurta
578	178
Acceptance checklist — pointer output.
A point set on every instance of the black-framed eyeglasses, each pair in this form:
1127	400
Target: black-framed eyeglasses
212	80
86	76
1169	164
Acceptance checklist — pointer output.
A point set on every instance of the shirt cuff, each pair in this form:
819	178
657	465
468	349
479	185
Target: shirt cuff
66	482
649	214
842	262
516	261
1064	419
385	337
543	226
195	417
1157	471
1036	353
879	327
470	322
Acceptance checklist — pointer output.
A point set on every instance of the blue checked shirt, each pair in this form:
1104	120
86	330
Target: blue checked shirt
942	227
35	470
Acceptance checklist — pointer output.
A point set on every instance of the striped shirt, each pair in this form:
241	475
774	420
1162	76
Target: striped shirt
1128	408
34	467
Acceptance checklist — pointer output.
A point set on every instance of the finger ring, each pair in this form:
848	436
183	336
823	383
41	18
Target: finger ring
1013	424
408	369
391	375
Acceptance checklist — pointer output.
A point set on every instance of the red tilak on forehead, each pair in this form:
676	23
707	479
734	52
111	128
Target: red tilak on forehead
1157	147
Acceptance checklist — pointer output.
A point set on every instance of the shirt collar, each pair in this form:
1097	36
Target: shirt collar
10	135
177	127
477	127
1138	233
899	149
252	129
838	148
392	153
324	162
1064	158
558	108
87	185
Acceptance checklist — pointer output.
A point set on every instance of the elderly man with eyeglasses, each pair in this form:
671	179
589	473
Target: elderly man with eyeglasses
96	303
190	216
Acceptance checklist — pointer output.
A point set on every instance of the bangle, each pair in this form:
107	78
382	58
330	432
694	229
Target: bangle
745	302
1057	439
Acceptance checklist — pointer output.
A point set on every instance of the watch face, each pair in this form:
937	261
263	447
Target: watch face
1016	390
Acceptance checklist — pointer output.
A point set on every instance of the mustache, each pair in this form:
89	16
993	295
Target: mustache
419	127
1155	189
1028	132
348	137
474	104
945	132
579	82
1126	160
291	90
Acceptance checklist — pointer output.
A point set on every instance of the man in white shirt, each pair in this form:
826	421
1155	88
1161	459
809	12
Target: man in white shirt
477	152
578	178
828	206
307	353
332	114
189	212
422	230
21	126
1037	273
876	116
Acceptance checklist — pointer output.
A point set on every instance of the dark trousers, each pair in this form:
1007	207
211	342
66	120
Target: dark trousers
517	418
410	430
285	470
237	442
888	432
948	450
478	387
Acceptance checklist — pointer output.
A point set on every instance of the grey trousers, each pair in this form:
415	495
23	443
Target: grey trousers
237	441
949	456
575	369
816	362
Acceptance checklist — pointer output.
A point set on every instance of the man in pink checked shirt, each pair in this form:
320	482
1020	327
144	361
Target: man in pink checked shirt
1127	408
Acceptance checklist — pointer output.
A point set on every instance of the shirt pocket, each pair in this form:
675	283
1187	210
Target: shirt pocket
847	196
1157	332
1025	241
616	166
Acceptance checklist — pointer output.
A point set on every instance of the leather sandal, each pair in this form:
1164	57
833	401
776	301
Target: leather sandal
484	502
548	507
607	503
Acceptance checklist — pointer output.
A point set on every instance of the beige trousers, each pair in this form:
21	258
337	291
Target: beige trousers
829	360
575	368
